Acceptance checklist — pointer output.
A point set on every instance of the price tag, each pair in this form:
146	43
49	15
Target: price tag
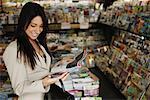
84	25
65	26
68	1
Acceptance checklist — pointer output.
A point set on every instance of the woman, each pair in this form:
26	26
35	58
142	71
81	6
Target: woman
26	57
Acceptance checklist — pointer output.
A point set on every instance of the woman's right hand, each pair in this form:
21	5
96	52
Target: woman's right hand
48	80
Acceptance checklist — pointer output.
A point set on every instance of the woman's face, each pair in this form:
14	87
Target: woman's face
34	28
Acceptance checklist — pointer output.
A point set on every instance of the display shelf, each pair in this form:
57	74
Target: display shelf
128	16
56	11
56	27
139	87
137	70
10	28
49	2
128	30
112	72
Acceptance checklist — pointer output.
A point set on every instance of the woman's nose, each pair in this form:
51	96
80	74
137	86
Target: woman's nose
38	30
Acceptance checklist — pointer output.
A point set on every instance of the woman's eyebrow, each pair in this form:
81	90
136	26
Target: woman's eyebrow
33	23
36	24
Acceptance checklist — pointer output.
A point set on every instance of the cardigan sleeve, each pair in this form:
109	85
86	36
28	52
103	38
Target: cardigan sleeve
18	75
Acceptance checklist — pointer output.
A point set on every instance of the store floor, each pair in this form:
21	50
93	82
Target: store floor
107	90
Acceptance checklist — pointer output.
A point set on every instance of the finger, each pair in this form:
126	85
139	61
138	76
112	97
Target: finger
65	77
53	80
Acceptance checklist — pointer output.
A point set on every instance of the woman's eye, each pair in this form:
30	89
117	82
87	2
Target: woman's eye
32	26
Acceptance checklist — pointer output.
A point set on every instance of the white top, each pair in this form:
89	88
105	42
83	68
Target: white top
26	83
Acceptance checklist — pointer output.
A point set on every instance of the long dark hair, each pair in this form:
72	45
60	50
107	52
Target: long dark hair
25	49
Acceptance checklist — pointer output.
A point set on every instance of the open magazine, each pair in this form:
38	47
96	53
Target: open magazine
78	58
72	66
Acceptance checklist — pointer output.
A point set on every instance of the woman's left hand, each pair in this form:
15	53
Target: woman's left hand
48	80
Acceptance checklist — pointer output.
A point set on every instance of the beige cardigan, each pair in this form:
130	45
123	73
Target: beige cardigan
26	83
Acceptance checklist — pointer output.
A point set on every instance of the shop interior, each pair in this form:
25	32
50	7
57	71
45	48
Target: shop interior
111	38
